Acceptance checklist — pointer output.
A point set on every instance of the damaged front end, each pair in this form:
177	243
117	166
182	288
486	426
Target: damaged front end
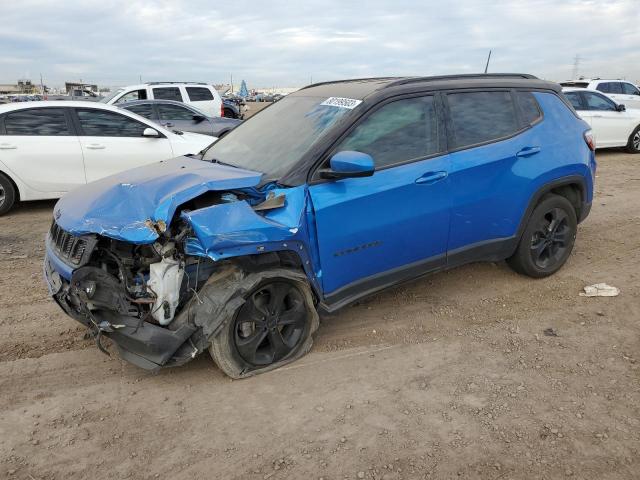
128	255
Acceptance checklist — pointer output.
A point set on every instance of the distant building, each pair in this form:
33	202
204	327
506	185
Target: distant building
23	86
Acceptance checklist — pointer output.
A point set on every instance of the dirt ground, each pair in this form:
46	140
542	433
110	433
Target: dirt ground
450	376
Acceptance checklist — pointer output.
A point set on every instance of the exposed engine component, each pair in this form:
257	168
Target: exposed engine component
165	279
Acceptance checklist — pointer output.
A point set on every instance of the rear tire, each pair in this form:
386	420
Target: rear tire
633	146
7	194
272	326
547	240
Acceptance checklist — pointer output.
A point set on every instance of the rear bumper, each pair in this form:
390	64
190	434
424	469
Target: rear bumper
144	344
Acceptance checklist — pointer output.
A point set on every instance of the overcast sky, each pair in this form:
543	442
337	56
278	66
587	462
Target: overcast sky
286	43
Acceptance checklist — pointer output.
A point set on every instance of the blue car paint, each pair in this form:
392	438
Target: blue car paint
349	229
370	225
350	161
126	205
491	186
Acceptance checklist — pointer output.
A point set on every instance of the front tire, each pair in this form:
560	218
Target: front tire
271	327
547	240
633	146
7	194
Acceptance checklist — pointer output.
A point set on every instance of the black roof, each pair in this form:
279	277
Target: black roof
360	88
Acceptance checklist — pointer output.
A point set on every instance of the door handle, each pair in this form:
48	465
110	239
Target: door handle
596	116
7	146
528	151
95	146
431	177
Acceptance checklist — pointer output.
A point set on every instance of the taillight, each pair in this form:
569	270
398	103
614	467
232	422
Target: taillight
222	109
591	142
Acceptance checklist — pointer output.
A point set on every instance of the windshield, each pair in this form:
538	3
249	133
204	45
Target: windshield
278	137
108	98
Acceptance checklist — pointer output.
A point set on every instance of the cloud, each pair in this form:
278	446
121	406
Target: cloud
279	43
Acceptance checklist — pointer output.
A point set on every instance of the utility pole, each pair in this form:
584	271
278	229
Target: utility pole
41	86
231	82
140	77
486	67
576	67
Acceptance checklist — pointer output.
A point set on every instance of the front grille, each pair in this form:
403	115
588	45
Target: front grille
70	248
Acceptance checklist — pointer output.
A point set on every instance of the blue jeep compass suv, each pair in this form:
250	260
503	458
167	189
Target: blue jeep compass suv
333	193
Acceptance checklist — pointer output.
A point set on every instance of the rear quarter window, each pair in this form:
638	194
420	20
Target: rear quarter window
480	117
199	94
529	109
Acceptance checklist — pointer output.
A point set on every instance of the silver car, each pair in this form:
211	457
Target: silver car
178	116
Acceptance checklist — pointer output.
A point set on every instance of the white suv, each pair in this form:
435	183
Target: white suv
623	92
202	96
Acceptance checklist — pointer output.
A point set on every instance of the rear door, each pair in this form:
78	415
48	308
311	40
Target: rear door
40	146
577	100
610	127
205	99
112	142
492	140
377	230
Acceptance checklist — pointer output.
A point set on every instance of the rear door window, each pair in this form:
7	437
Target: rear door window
199	94
99	123
37	122
167	93
529	109
480	117
574	99
397	132
144	110
609	87
595	101
174	112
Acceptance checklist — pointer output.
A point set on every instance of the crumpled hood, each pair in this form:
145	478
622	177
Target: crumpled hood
128	205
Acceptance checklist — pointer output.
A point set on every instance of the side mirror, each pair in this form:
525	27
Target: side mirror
349	164
150	132
198	118
620	107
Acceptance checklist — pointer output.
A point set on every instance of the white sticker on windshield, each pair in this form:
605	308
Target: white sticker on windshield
349	103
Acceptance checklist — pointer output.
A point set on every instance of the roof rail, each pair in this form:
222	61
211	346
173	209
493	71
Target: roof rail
462	76
174	83
349	80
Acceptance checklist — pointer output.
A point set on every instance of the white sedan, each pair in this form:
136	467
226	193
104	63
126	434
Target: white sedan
49	148
613	125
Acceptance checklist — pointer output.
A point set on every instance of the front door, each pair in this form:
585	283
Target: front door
376	230
610	127
113	142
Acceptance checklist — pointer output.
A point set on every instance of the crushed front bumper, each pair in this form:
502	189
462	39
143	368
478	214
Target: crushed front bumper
144	344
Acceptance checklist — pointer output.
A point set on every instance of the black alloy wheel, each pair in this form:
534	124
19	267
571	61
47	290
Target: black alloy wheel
547	239
550	238
271	324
